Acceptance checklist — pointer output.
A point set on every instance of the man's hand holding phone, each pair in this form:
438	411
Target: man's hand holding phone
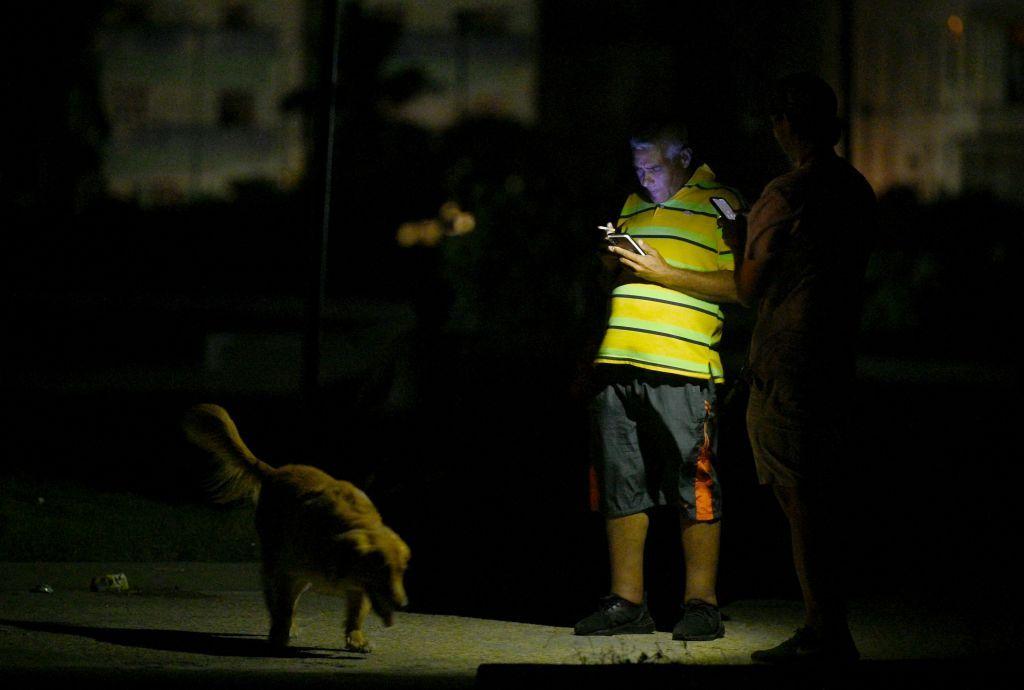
646	264
625	242
620	239
732	224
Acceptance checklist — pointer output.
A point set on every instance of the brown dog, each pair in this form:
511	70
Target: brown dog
314	531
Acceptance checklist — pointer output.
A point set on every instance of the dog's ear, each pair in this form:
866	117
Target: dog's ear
358	540
398	551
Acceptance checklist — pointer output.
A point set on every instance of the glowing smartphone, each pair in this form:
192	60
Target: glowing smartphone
723	207
626	242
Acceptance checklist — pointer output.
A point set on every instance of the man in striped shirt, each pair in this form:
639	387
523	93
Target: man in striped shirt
657	367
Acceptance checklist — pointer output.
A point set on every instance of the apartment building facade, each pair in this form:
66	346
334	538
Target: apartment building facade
939	96
193	93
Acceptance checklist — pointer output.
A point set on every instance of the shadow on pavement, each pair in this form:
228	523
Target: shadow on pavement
212	644
112	679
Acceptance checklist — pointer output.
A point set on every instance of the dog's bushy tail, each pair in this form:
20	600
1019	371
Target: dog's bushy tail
239	473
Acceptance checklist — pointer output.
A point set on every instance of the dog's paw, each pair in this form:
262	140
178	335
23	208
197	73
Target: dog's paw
356	641
280	636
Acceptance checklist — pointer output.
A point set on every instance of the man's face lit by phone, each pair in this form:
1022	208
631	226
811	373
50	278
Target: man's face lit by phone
660	176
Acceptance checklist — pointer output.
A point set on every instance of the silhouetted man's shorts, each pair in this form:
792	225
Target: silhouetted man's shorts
648	430
797	431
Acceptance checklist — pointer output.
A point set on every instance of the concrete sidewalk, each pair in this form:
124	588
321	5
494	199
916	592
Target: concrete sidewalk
204	624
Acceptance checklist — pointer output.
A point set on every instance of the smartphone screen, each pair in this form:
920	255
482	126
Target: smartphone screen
723	207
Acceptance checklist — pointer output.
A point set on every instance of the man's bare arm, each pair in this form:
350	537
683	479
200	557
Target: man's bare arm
749	279
717	287
753	246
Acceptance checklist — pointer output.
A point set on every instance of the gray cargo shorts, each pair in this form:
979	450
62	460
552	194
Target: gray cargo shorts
648	431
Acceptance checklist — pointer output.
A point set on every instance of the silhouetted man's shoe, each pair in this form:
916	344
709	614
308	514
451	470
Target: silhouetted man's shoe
809	646
701	622
616	616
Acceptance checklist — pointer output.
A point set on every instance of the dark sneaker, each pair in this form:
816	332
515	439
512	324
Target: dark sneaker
701	622
807	646
616	616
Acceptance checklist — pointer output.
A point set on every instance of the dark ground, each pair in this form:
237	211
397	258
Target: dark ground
480	464
204	625
488	484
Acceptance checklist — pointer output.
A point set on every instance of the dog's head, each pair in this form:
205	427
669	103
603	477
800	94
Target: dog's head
380	563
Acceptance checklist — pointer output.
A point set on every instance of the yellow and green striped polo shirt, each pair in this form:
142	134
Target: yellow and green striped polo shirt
664	330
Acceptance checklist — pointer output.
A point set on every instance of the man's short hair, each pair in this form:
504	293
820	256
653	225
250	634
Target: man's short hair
810	105
671	139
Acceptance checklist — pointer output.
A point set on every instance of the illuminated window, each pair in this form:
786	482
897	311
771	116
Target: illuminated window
237	108
956	27
1015	65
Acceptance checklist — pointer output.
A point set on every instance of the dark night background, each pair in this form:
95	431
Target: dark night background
450	384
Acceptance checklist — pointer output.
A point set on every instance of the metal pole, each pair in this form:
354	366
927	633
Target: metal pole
312	344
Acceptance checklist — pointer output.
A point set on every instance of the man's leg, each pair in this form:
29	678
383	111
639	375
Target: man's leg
700	552
825	636
621	475
624	610
701	619
814	559
626	538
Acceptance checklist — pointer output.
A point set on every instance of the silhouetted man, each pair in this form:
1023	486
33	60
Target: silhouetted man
803	263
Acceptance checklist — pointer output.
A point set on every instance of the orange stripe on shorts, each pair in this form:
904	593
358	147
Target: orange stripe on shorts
702	484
